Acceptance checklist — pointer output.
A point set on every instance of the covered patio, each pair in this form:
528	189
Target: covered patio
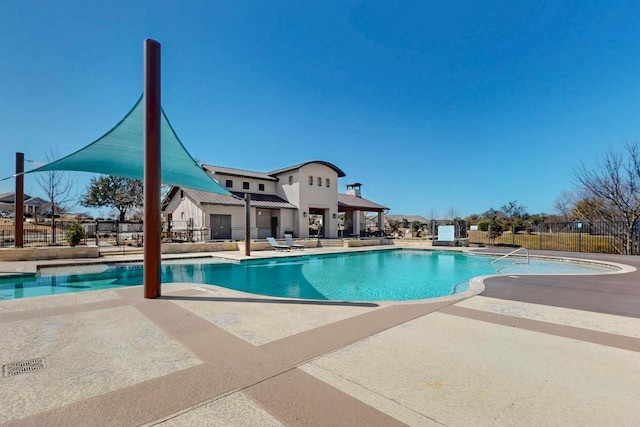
354	207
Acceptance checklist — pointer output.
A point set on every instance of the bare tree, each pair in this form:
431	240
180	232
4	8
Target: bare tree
615	181
60	190
451	213
564	205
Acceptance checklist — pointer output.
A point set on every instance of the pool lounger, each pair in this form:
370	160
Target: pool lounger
277	246
291	243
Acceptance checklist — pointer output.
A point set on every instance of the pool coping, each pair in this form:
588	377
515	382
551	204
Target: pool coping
476	284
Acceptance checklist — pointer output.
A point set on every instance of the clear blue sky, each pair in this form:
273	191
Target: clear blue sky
431	105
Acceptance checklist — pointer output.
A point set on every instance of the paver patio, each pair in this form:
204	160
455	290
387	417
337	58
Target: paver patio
532	350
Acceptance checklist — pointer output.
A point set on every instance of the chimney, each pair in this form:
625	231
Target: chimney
354	189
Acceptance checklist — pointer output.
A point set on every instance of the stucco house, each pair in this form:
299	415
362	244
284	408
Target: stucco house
32	205
302	199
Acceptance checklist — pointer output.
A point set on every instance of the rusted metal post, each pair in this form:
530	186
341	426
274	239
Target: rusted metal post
19	201
152	166
247	224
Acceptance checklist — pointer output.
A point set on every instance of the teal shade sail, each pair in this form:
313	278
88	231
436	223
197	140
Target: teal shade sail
120	152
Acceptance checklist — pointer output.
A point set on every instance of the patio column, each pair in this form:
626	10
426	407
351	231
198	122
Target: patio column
356	223
380	222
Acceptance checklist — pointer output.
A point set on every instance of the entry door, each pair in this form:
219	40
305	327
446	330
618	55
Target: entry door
274	226
317	222
220	227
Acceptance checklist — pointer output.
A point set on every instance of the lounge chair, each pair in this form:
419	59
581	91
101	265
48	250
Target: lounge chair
277	246
291	243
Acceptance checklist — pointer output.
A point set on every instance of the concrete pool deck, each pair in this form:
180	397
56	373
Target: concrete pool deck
529	350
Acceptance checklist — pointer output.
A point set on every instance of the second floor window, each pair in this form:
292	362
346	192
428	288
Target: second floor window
228	183
260	187
319	182
327	182
245	185
310	180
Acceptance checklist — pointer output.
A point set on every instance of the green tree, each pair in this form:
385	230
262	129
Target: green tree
494	229
117	192
75	233
592	210
473	219
514	214
493	223
392	226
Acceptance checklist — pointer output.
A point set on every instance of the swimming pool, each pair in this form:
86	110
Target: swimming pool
394	274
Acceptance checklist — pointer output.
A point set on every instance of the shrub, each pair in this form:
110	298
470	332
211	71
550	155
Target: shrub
495	229
75	233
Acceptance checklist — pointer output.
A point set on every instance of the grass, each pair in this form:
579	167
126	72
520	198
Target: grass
571	242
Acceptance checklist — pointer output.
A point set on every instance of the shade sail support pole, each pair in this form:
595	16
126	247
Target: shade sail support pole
247	224
18	201
152	167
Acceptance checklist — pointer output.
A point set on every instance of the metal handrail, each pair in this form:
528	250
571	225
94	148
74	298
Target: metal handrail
511	253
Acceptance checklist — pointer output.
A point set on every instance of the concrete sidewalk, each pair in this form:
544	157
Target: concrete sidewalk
532	350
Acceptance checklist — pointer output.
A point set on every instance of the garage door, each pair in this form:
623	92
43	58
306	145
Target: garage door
220	227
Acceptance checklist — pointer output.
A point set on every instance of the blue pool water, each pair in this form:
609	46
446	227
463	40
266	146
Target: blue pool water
363	276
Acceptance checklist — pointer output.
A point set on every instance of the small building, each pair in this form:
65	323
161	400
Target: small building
302	199
32	205
410	219
355	208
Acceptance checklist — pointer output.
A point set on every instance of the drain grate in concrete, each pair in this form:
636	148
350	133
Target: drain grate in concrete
23	367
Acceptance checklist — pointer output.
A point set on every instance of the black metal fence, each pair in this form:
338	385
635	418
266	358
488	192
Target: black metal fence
119	232
44	233
184	231
47	233
595	237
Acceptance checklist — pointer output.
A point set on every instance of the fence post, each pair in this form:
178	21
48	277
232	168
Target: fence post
540	237
579	237
513	235
489	235
638	239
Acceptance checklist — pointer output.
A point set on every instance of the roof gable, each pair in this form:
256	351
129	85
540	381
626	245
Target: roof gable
300	165
10	198
409	218
243	173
